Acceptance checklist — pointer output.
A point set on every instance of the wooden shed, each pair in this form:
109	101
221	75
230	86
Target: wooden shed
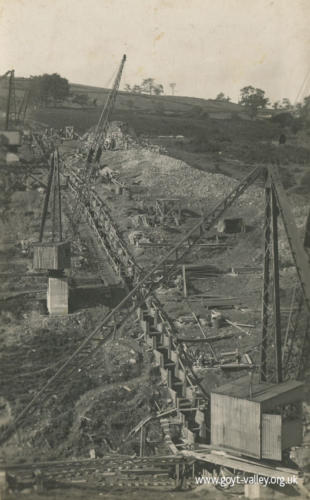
51	255
257	419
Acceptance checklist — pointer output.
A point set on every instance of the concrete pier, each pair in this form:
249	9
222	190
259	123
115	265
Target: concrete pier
58	295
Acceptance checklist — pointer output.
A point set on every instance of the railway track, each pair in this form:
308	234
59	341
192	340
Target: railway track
112	471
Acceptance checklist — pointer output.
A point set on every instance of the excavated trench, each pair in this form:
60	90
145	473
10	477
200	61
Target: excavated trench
159	334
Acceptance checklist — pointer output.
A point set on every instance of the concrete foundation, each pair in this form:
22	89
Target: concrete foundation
58	295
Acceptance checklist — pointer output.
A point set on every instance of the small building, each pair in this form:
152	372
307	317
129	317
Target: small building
257	419
51	255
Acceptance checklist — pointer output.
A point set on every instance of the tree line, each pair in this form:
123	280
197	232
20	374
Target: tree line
147	86
53	89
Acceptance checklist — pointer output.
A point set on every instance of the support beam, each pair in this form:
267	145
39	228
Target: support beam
47	197
299	254
266	282
276	290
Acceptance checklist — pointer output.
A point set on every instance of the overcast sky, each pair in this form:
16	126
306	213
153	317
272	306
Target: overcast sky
204	46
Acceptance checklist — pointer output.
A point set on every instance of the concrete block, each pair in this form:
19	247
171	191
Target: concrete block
11	158
58	296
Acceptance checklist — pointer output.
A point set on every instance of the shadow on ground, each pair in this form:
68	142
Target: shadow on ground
85	297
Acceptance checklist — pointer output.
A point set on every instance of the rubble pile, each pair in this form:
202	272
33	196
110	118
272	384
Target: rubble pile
168	177
120	136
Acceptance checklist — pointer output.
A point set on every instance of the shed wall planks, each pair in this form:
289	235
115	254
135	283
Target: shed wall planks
235	424
271	436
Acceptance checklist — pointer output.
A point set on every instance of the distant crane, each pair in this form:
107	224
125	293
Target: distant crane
21	115
11	99
97	145
103	123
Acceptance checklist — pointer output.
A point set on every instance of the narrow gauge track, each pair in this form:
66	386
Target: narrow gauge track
116	471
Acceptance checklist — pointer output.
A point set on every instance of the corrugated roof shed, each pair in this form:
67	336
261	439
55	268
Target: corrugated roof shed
261	392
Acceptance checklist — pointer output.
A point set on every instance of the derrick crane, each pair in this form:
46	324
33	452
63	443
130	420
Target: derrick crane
142	288
11	100
96	147
103	123
276	204
54	256
10	134
23	106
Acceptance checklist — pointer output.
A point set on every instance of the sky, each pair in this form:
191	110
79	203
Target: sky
204	46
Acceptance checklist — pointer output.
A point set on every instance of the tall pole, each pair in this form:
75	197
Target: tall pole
276	289
8	104
59	196
266	282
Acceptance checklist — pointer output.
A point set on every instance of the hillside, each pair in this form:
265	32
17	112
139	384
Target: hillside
166	105
197	131
170	104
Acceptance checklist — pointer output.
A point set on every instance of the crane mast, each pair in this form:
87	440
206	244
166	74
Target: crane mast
103	123
10	99
97	144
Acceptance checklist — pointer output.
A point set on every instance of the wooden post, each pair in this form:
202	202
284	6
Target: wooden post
184	280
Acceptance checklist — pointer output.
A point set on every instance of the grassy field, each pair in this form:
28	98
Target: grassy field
216	136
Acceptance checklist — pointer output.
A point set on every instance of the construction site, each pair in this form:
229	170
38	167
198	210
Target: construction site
154	316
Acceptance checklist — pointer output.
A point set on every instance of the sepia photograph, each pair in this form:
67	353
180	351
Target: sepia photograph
154	249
